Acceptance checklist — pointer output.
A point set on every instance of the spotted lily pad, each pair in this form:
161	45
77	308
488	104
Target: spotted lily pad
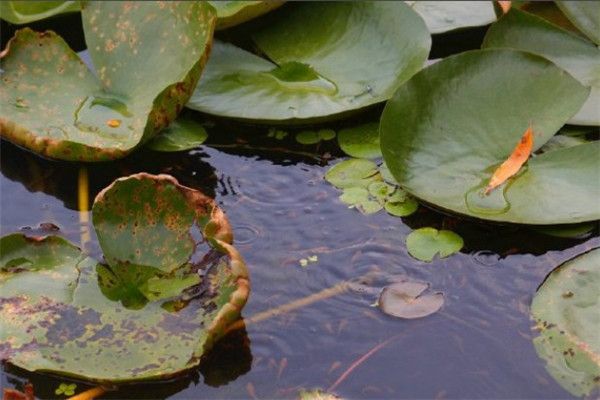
324	60
56	310
26	11
425	243
361	141
585	15
405	299
185	133
443	16
578	56
231	13
148	57
566	310
447	129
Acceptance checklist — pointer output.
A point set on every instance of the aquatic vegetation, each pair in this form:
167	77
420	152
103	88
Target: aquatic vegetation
444	16
185	133
25	11
406	299
565	310
425	243
231	13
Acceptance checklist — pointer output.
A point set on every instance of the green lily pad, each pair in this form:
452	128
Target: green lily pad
360	198
324	60
58	313
314	137
585	15
148	57
231	13
352	173
425	243
402	208
181	135
449	127
569	231
405	299
24	12
361	141
566	310
579	57
444	16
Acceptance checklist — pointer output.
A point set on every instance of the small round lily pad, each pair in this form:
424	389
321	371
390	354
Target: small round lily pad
405	299
361	141
351	173
425	243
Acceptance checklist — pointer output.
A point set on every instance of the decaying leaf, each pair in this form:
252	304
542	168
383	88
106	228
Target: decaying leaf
405	299
513	163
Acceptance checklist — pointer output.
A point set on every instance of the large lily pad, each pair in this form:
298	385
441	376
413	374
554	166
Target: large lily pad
579	57
585	15
443	16
63	312
148	56
324	59
26	11
231	13
446	130
566	310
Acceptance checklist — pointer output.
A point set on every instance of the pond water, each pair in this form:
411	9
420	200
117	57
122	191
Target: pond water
479	345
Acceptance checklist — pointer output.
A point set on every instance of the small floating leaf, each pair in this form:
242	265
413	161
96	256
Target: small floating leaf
403	208
67	389
308	137
406	300
351	173
183	134
513	163
424	243
566	310
361	141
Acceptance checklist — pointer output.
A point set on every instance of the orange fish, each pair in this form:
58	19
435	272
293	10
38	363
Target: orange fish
513	163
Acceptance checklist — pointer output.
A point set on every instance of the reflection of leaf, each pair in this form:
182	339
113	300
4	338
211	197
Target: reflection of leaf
62	110
406	300
513	163
566	309
424	243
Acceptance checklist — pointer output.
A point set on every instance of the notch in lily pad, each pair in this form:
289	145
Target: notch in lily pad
152	307
146	72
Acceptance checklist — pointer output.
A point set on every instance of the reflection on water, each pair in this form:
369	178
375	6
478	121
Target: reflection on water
477	346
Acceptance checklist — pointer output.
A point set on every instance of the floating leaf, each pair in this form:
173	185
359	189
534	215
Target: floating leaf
352	173
148	57
24	12
566	310
585	15
424	243
403	208
361	141
444	16
314	137
578	56
67	389
442	136
513	163
56	317
182	134
231	13
405	299
324	60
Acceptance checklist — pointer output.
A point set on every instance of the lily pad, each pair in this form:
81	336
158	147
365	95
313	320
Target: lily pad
569	231
324	60
24	12
405	299
444	16
361	141
314	137
402	208
182	134
354	172
449	127
231	13
585	15
148	56
578	56
425	243
566	310
359	198
57	316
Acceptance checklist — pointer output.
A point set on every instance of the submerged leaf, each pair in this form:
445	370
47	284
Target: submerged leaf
425	243
513	163
566	310
405	299
321	61
148	57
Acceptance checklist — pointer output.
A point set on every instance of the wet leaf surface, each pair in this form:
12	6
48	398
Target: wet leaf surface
361	141
406	299
585	15
321	60
23	12
446	158
425	243
444	16
62	110
566	310
231	13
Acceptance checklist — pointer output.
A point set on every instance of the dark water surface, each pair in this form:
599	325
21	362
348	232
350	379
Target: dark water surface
478	346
